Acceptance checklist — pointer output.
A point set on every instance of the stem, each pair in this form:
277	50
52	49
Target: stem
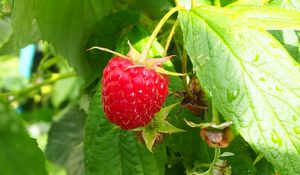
39	85
217	154
215	115
217	3
169	39
155	32
108	50
184	71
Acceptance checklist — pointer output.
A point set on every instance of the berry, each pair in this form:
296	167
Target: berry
132	94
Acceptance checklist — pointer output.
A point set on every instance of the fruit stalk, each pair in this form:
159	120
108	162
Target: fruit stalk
169	39
155	32
184	71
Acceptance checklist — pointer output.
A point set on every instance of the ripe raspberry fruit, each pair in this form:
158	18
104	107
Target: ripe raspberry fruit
132	94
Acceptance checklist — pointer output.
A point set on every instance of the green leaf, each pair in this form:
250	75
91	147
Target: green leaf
188	3
288	4
65	134
154	8
8	47
38	114
290	40
5	32
251	78
110	150
264	167
241	162
138	37
67	24
18	152
9	74
106	34
24	24
75	163
270	18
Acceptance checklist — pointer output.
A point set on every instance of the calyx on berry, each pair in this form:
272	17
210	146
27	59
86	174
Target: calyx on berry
156	130
134	56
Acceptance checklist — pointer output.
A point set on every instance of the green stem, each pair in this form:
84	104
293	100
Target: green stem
169	39
155	32
217	154
39	85
184	71
217	3
215	115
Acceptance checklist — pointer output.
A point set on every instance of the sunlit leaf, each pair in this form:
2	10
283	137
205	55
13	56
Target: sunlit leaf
271	18
251	78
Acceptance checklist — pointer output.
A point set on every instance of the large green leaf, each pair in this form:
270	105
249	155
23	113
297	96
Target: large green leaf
271	18
290	40
289	4
110	150
5	31
65	134
154	8
18	152
67	24
252	81
24	24
75	163
8	47
106	34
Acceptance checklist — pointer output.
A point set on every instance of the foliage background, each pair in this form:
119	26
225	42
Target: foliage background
52	122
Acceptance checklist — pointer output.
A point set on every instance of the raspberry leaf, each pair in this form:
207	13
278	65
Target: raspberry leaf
65	134
110	150
251	78
19	153
5	31
271	18
24	24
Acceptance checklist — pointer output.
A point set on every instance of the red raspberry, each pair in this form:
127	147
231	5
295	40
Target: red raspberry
131	94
